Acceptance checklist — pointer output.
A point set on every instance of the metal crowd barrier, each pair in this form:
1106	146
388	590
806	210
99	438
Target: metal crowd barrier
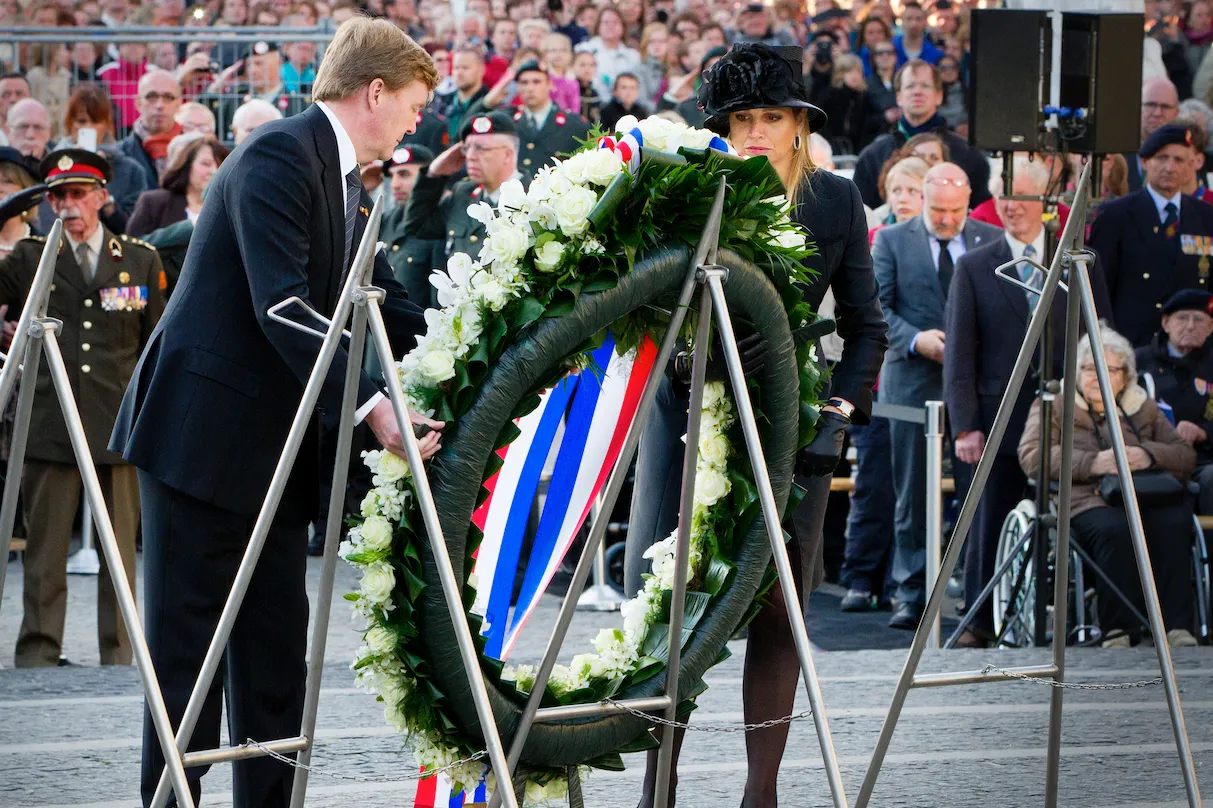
40	53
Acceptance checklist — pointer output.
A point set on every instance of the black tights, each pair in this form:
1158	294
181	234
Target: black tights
768	691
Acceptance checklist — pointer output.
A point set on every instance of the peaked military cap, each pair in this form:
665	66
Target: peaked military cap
75	166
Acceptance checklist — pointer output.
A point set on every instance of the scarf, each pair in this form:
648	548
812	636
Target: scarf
932	124
156	146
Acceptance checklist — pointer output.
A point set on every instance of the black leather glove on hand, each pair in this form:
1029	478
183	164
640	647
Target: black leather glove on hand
753	350
821	456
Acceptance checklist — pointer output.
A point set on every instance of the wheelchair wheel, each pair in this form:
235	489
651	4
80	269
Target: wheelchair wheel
1015	592
1200	577
614	565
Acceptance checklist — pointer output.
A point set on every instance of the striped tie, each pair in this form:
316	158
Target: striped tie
1028	273
353	191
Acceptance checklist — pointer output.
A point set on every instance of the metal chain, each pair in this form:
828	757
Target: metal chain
281	758
1069	685
774	722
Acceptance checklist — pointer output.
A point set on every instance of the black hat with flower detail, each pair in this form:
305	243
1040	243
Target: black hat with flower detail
755	76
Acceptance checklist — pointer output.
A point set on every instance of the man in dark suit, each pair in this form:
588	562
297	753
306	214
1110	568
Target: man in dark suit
986	321
1156	241
208	410
919	95
914	265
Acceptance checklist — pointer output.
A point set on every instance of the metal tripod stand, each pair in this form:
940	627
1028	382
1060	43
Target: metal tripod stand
1071	258
702	272
36	334
362	301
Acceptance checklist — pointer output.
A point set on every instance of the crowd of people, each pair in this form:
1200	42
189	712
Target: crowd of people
522	82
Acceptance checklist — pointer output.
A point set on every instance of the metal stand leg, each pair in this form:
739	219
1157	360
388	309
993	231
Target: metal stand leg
934	509
16	457
332	540
772	517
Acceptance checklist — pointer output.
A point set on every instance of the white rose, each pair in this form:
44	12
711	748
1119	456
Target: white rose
391	468
377	583
393	715
574	168
493	294
626	124
545	217
695	138
381	640
603	166
712	393
512	195
437	366
714	448
573	208
710	486
607	640
376	534
506	245
547	257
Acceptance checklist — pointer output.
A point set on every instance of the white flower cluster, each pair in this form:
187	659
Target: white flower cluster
667	136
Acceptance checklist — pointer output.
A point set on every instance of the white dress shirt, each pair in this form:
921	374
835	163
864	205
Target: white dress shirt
94	243
1160	202
541	117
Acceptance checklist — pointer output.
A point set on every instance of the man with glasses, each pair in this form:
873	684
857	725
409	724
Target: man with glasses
108	295
1155	241
919	95
489	151
914	263
1177	369
1159	107
158	100
29	130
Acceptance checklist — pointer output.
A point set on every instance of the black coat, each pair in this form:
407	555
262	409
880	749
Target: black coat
1141	268
1185	383
846	109
213	396
872	159
155	209
830	209
986	320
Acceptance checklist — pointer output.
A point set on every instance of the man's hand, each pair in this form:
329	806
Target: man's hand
821	456
382	421
1191	433
969	446
930	344
1105	463
199	62
226	79
449	162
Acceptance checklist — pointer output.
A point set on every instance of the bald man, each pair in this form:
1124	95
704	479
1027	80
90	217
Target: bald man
1159	106
158	101
914	264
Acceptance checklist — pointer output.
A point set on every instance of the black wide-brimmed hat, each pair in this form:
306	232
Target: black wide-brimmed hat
753	76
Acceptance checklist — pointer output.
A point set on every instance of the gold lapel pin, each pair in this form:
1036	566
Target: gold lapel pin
124	277
363	211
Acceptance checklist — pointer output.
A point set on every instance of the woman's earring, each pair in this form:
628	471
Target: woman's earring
796	144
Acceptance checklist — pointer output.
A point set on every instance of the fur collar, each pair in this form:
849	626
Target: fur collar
1132	399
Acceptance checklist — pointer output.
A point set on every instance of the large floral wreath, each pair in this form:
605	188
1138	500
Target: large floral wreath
581	225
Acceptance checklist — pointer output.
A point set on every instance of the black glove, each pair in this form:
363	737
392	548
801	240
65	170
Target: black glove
821	456
753	350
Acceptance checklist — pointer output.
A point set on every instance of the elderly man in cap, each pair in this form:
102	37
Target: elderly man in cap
488	148
1177	369
107	292
262	79
412	258
1155	241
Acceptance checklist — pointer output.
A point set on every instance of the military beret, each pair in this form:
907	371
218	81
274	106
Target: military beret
412	154
75	166
1189	300
529	66
1173	134
262	47
495	123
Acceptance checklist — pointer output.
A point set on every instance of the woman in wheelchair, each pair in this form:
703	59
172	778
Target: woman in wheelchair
1161	461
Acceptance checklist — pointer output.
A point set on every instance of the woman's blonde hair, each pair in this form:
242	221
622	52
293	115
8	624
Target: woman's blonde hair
913	168
802	158
366	49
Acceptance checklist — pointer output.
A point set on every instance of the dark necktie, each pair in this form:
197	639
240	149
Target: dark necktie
945	266
1171	219
353	192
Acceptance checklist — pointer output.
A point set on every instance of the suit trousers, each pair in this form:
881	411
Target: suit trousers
1004	490
909	454
191	553
870	524
51	492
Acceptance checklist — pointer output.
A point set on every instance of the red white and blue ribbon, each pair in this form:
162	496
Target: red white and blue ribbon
628	146
437	792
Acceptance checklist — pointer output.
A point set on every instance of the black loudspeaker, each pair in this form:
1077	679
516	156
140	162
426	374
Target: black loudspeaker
1101	74
1009	78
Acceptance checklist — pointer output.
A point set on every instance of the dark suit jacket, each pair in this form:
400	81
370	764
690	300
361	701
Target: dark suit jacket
156	209
1137	261
212	399
986	320
830	209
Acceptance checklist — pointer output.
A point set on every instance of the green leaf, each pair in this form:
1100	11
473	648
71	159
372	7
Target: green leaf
611	762
646	668
641	743
529	310
720	571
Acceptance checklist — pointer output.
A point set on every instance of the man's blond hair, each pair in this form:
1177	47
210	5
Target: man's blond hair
366	49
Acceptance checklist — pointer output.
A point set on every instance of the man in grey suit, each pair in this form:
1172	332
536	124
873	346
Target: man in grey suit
914	264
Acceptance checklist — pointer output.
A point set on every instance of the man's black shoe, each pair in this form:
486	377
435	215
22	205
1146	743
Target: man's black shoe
906	617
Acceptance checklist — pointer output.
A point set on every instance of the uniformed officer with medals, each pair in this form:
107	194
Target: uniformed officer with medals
108	293
412	258
544	130
488	148
1177	370
1156	241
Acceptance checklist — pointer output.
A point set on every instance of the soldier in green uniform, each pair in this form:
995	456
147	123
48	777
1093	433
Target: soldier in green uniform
107	291
412	258
544	130
488	147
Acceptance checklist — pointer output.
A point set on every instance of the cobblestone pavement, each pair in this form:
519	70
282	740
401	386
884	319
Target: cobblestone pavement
70	736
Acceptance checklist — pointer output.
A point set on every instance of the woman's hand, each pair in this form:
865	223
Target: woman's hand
1105	463
1139	458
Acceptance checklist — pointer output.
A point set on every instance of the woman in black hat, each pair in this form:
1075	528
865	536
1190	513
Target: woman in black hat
755	96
